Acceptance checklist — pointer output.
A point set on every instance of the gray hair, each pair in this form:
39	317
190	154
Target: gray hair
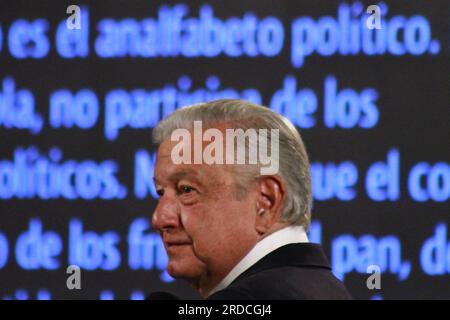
293	160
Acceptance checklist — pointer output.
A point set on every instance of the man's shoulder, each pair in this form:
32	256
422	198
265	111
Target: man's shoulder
296	271
288	282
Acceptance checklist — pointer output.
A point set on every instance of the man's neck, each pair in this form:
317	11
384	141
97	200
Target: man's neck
205	284
266	244
208	281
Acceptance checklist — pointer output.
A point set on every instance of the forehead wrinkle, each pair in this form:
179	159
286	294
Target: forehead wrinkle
177	172
183	174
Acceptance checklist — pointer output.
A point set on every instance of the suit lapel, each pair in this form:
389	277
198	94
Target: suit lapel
307	255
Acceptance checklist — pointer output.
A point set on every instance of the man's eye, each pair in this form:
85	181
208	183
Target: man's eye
185	189
160	192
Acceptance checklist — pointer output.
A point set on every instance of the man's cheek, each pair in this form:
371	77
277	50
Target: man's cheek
193	222
185	218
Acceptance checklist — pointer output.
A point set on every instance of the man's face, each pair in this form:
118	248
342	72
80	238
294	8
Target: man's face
205	230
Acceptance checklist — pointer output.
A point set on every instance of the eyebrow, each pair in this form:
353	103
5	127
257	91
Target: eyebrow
179	175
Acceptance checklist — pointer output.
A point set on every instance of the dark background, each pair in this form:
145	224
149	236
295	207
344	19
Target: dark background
413	104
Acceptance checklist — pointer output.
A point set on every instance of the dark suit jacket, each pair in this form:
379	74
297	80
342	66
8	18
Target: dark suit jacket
294	271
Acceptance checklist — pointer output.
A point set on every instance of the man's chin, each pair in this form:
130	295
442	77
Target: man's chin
187	271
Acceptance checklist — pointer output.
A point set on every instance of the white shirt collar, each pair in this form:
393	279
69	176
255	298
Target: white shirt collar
282	237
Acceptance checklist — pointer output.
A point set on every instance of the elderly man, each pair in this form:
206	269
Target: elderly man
232	229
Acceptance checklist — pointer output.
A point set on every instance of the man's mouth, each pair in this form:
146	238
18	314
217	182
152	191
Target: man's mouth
172	241
172	244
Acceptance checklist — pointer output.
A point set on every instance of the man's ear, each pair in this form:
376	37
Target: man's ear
269	204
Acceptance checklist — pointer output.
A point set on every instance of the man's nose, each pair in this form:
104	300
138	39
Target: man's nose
166	215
